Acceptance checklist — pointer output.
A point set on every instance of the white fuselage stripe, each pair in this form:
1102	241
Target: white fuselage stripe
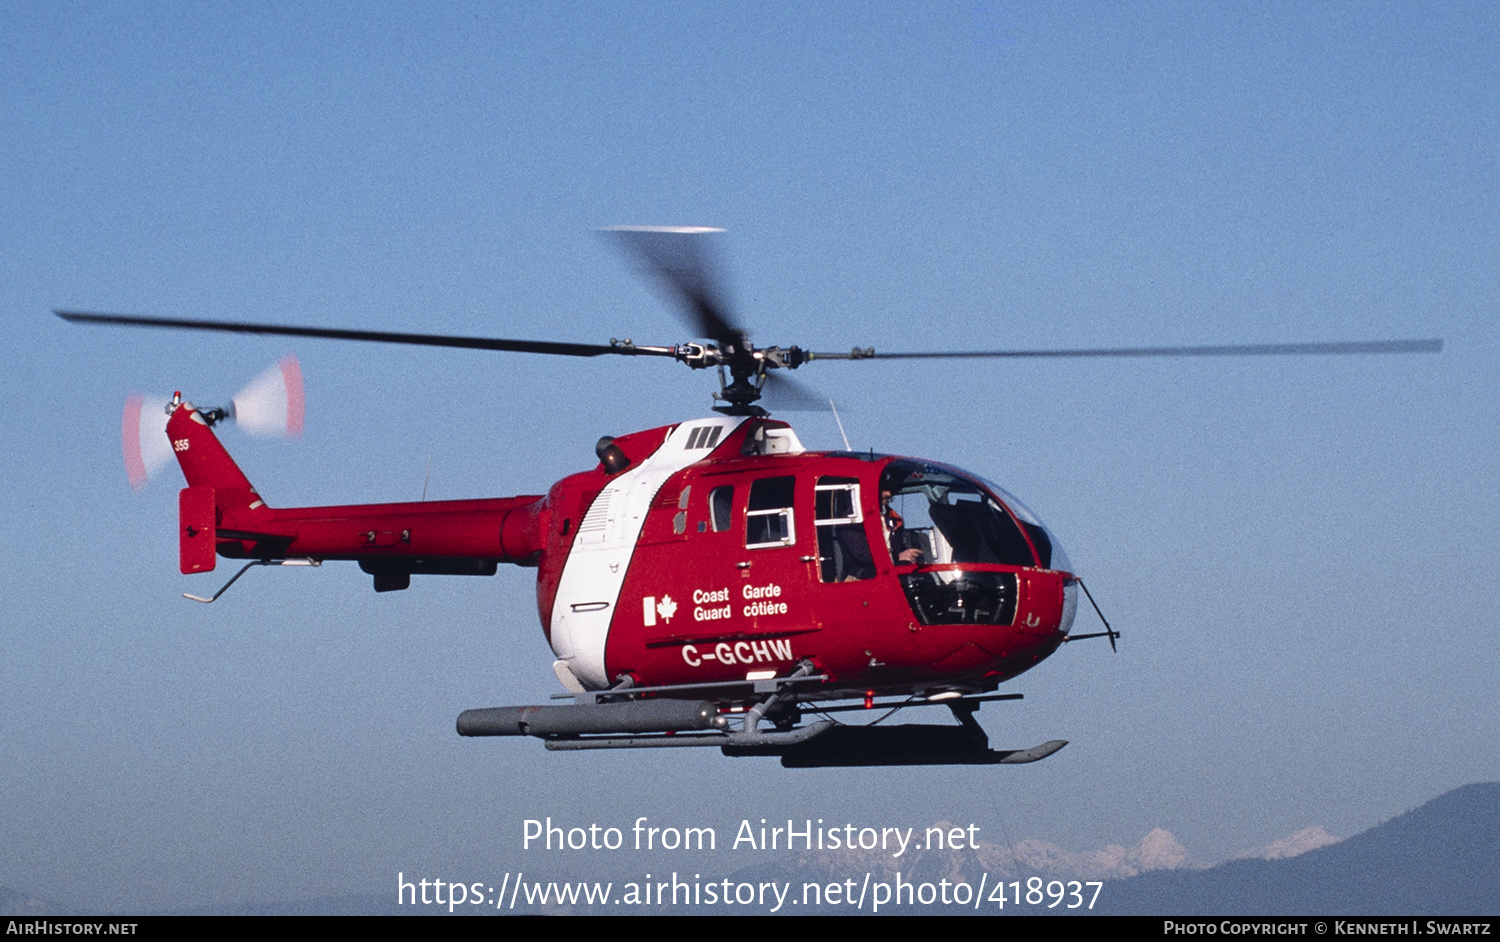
589	589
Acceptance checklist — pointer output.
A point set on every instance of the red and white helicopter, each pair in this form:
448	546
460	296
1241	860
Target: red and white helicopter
709	583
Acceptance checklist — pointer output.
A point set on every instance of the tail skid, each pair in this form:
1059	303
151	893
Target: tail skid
246	568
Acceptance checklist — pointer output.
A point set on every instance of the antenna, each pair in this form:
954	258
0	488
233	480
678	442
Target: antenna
842	433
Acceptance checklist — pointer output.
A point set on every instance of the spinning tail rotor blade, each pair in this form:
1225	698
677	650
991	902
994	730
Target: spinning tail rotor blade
143	437
272	404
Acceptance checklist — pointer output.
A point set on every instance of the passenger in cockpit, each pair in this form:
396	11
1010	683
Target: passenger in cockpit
905	550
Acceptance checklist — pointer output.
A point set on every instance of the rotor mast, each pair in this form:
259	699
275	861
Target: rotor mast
742	371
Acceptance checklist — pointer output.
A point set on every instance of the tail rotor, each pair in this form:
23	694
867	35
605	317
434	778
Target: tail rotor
272	405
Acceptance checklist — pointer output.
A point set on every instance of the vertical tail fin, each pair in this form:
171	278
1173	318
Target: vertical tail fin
203	458
216	485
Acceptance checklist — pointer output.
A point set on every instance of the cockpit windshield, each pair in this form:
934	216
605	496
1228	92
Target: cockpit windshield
1033	524
935	515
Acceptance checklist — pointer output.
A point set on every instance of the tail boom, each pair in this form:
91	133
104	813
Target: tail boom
501	529
222	514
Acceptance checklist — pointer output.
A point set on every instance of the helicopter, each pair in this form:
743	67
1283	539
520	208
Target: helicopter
711	583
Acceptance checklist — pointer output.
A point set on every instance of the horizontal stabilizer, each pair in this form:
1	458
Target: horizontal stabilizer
195	529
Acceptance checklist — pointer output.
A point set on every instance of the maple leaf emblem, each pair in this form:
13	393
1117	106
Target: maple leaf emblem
666	608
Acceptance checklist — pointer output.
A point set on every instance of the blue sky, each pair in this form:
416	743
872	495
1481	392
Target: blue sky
1299	552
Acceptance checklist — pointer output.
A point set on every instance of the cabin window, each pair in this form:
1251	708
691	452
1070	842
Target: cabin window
679	522
843	549
720	500
768	518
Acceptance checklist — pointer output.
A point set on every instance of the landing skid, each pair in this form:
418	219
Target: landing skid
913	744
665	723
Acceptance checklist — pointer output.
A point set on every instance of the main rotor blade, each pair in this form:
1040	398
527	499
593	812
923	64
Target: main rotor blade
681	259
1225	350
784	394
373	336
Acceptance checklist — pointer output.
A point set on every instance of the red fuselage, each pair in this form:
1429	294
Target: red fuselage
711	551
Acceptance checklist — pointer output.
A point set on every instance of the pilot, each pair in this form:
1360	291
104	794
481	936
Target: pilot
905	550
